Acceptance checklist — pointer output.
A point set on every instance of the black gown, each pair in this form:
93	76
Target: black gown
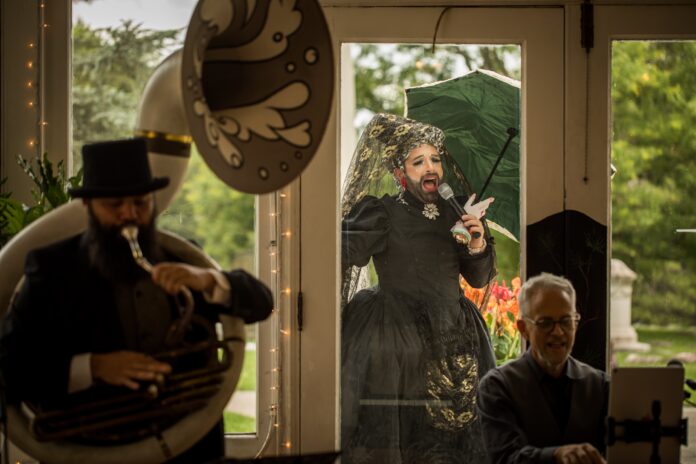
413	347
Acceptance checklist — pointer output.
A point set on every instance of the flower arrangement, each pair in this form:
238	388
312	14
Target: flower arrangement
499	308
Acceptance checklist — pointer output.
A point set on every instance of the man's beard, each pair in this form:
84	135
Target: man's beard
109	253
416	189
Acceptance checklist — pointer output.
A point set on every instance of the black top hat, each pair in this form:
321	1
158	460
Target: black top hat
115	169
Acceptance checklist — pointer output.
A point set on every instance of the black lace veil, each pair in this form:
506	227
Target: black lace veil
384	146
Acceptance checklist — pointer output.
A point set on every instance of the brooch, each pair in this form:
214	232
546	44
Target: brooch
430	211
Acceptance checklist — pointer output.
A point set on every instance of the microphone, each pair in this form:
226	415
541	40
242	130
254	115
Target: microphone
447	194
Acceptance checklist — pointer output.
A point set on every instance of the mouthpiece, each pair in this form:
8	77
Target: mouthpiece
445	191
130	233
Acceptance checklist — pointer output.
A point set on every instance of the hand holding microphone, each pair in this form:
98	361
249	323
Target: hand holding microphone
476	210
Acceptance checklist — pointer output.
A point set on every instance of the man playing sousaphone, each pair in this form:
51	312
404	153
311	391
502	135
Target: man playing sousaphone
88	315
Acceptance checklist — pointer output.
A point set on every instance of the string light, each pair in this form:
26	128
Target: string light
30	64
279	320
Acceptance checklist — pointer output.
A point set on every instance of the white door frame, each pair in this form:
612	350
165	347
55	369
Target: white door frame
540	32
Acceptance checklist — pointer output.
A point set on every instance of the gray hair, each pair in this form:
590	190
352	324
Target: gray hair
543	281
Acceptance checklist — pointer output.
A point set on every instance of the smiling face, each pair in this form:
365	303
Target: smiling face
549	349
423	172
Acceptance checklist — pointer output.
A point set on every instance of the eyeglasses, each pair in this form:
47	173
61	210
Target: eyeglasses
546	324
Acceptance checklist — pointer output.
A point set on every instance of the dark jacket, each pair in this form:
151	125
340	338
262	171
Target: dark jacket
518	423
65	307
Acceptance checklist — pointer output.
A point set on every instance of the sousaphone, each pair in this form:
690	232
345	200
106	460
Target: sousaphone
253	88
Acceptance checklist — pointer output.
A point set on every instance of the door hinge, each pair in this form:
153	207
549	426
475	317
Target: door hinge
300	311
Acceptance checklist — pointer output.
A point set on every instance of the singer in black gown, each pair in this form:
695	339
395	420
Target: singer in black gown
413	347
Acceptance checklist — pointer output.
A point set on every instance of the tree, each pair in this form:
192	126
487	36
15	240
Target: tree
110	69
654	151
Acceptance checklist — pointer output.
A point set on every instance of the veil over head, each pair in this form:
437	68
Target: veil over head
383	147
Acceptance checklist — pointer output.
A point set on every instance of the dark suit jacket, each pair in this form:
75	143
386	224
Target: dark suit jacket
65	307
518	423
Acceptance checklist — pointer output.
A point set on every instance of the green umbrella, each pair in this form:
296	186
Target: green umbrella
475	111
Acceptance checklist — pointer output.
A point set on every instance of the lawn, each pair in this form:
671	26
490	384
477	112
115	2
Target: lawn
247	380
237	423
665	343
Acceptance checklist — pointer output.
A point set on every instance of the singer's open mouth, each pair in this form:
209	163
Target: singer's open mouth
430	183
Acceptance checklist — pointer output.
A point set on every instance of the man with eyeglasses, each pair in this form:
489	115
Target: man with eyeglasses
545	407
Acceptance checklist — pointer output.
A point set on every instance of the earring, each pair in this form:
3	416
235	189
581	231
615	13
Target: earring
403	182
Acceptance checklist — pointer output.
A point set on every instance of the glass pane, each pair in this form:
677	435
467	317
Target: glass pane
653	269
412	348
117	44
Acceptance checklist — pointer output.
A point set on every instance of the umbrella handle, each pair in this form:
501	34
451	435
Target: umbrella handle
512	133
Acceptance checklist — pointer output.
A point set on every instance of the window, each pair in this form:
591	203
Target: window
116	47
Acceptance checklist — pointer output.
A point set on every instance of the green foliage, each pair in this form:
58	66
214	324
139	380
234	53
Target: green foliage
238	423
383	72
507	255
217	217
51	191
654	151
247	380
110	69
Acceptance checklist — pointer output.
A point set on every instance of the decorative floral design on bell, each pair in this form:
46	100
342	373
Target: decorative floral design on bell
430	211
451	382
